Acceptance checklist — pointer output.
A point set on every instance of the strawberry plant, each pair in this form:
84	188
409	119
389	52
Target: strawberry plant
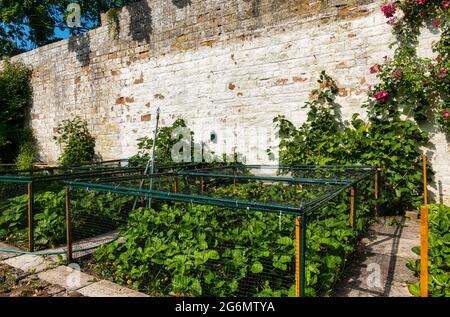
94	214
209	251
438	254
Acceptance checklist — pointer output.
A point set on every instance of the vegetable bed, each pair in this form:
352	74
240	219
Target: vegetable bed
187	250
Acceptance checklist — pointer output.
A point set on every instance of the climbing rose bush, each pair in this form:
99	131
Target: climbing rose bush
419	87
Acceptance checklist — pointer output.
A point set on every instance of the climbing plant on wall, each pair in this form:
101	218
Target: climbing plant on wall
411	90
414	85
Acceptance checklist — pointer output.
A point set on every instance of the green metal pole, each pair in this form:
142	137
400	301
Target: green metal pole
303	256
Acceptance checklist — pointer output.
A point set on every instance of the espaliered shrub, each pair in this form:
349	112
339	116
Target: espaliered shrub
417	86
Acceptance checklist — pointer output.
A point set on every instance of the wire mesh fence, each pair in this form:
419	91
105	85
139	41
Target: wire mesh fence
14	206
220	231
185	249
193	229
32	202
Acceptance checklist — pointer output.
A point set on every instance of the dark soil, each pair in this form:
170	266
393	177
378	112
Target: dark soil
16	283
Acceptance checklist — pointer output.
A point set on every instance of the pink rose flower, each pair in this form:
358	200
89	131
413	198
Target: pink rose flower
446	4
421	2
446	114
381	96
375	68
389	9
436	22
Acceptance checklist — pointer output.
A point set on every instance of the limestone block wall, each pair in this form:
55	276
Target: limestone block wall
228	66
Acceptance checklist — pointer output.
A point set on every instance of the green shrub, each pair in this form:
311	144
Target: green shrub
164	144
26	156
390	143
15	98
78	143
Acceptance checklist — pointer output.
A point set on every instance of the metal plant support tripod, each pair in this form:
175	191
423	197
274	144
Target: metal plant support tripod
150	164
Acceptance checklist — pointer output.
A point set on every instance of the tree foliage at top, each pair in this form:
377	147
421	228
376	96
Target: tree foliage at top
29	24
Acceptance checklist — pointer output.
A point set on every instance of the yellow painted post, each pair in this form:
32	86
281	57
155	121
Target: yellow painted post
424	235
297	256
352	206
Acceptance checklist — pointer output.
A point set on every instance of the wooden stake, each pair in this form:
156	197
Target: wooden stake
30	218
203	184
175	185
352	206
376	185
69	227
297	256
424	235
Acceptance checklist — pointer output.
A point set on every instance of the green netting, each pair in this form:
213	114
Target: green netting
194	229
32	203
179	249
14	213
220	231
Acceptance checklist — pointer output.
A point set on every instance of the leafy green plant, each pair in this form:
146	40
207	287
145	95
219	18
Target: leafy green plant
438	254
113	18
49	219
15	98
209	251
164	144
13	219
388	142
78	143
26	156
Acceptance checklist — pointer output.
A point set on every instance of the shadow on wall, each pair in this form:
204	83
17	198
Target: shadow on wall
80	44
180	4
140	21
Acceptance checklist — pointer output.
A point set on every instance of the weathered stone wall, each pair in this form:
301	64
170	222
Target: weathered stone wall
223	65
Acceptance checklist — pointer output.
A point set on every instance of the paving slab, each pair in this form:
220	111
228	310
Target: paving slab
108	289
391	246
30	263
7	255
379	265
67	277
